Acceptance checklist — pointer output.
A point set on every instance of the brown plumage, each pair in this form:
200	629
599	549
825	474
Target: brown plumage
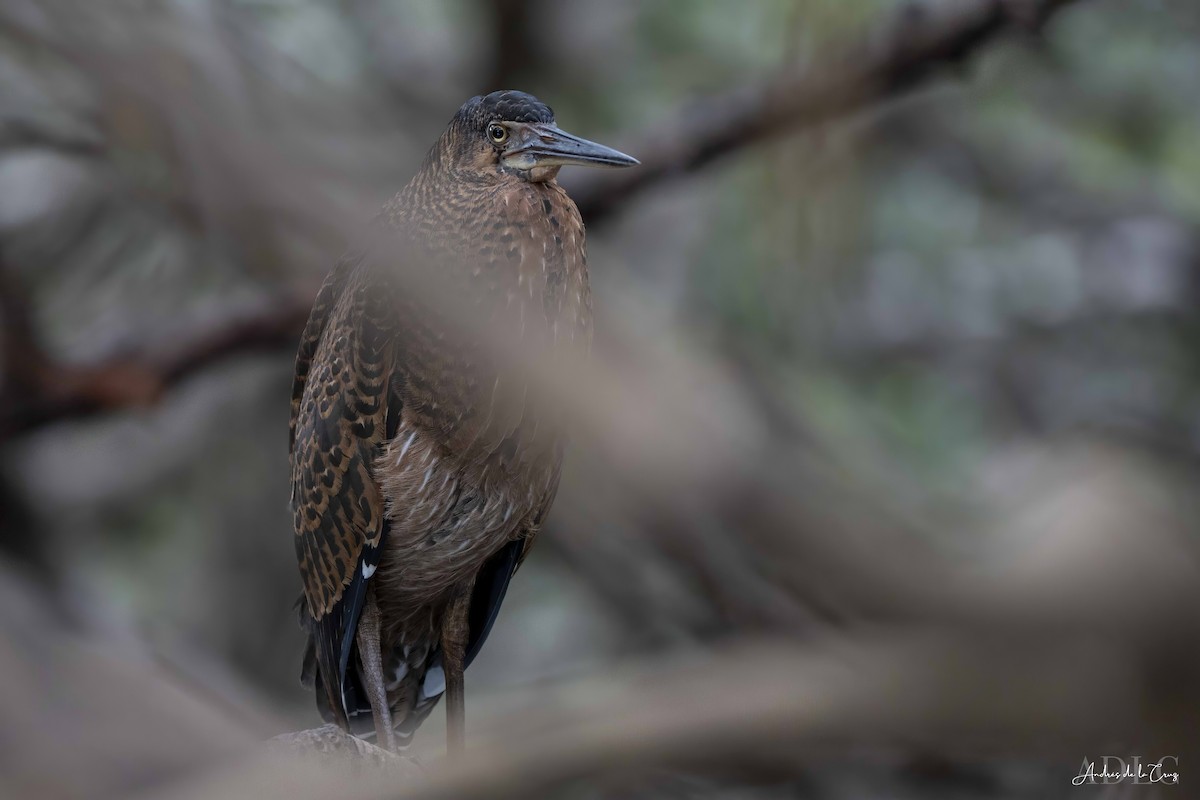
423	462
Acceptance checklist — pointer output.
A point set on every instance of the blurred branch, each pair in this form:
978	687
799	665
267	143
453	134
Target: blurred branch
20	361
785	708
515	47
71	690
782	709
39	390
20	349
916	45
410	85
913	47
1088	643
16	134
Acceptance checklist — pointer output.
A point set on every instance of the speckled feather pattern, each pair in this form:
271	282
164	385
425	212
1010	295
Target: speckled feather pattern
400	425
339	412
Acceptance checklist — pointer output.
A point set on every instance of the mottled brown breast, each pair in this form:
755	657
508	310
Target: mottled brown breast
514	261
476	455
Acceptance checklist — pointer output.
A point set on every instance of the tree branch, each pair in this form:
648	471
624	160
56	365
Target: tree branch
783	708
916	45
912	48
515	47
39	390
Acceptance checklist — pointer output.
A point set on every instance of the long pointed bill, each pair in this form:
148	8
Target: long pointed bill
544	145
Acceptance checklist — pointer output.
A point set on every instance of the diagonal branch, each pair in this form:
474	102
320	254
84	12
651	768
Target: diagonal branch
38	390
918	44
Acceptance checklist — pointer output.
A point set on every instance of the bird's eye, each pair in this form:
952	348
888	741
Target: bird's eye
497	133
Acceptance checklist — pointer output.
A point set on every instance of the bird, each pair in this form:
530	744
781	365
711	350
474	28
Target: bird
424	457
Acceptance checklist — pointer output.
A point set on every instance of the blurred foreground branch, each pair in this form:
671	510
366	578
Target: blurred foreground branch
910	49
1083	641
915	46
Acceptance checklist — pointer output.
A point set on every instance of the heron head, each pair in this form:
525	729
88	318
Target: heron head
511	132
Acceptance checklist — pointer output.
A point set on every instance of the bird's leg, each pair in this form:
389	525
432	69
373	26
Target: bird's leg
372	673
455	631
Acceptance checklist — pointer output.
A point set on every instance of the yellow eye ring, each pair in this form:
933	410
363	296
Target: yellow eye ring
497	133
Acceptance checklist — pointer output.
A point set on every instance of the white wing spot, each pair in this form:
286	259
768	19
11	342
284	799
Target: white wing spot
368	569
